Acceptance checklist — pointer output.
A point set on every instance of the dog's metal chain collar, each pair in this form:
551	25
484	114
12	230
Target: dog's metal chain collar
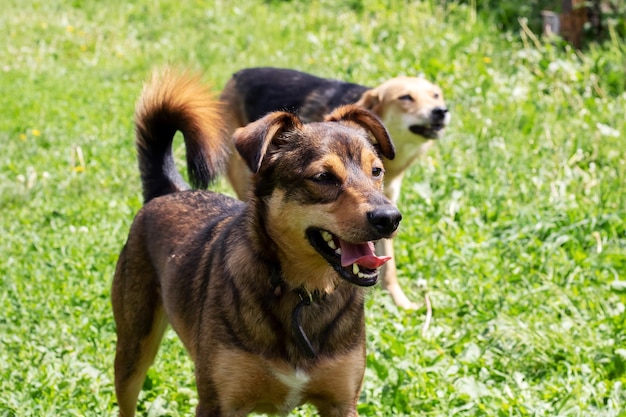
306	299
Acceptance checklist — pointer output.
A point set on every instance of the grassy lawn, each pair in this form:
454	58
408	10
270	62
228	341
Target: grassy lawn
517	219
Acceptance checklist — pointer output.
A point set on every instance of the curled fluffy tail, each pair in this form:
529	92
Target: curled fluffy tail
173	101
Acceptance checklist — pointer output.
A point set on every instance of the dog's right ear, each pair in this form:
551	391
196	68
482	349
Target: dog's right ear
253	140
368	121
371	101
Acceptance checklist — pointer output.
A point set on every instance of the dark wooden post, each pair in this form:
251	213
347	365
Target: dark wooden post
570	23
573	19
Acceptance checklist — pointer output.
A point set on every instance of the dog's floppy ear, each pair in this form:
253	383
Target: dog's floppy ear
370	100
368	121
253	140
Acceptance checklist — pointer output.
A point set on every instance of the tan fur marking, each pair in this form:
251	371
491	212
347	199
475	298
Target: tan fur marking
332	163
346	383
302	262
246	380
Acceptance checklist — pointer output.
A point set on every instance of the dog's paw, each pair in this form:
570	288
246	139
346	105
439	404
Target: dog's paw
406	304
400	299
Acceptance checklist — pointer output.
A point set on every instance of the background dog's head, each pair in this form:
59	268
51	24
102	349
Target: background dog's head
320	187
411	104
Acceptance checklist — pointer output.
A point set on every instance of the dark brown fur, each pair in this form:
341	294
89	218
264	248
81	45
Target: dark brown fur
230	276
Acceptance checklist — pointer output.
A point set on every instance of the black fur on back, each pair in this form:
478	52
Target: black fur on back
267	89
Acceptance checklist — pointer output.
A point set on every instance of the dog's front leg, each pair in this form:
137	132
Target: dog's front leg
216	397
393	185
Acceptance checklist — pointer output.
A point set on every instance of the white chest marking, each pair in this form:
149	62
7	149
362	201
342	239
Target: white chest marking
296	382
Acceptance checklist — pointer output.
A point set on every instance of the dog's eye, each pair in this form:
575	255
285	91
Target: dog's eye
325	178
377	172
436	95
406	97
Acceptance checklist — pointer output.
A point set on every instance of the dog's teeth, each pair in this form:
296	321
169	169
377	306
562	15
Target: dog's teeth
326	236
355	269
331	244
338	251
363	275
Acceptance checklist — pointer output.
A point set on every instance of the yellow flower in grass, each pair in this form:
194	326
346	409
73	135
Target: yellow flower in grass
487	60
22	137
36	132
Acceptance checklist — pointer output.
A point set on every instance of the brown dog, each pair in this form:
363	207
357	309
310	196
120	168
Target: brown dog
268	295
412	109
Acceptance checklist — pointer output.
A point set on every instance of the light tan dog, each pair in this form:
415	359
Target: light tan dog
266	295
413	110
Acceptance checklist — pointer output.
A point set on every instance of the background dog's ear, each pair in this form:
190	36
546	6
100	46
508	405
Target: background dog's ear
370	101
368	121
253	140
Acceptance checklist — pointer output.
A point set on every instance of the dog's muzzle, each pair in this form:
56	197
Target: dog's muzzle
357	262
384	220
438	121
438	114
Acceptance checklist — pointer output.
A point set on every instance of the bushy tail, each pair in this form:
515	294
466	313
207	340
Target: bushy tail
173	101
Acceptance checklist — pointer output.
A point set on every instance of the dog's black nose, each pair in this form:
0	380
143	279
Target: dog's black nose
384	219
439	113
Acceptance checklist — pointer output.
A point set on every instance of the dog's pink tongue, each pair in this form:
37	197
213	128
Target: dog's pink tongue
361	254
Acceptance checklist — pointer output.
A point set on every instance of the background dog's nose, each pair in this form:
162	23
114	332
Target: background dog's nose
439	113
385	219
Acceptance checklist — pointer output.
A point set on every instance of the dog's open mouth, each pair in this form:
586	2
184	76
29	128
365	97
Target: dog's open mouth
431	131
355	262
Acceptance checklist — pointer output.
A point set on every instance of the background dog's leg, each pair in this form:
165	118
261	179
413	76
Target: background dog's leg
390	276
238	175
393	185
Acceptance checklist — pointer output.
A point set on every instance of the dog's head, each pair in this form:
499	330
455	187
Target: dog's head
319	191
410	104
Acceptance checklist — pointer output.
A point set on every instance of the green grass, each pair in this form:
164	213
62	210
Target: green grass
517	219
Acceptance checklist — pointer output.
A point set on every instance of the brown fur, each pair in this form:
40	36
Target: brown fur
412	109
236	280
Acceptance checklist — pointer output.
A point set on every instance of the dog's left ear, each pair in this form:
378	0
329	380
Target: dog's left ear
253	140
368	121
370	100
